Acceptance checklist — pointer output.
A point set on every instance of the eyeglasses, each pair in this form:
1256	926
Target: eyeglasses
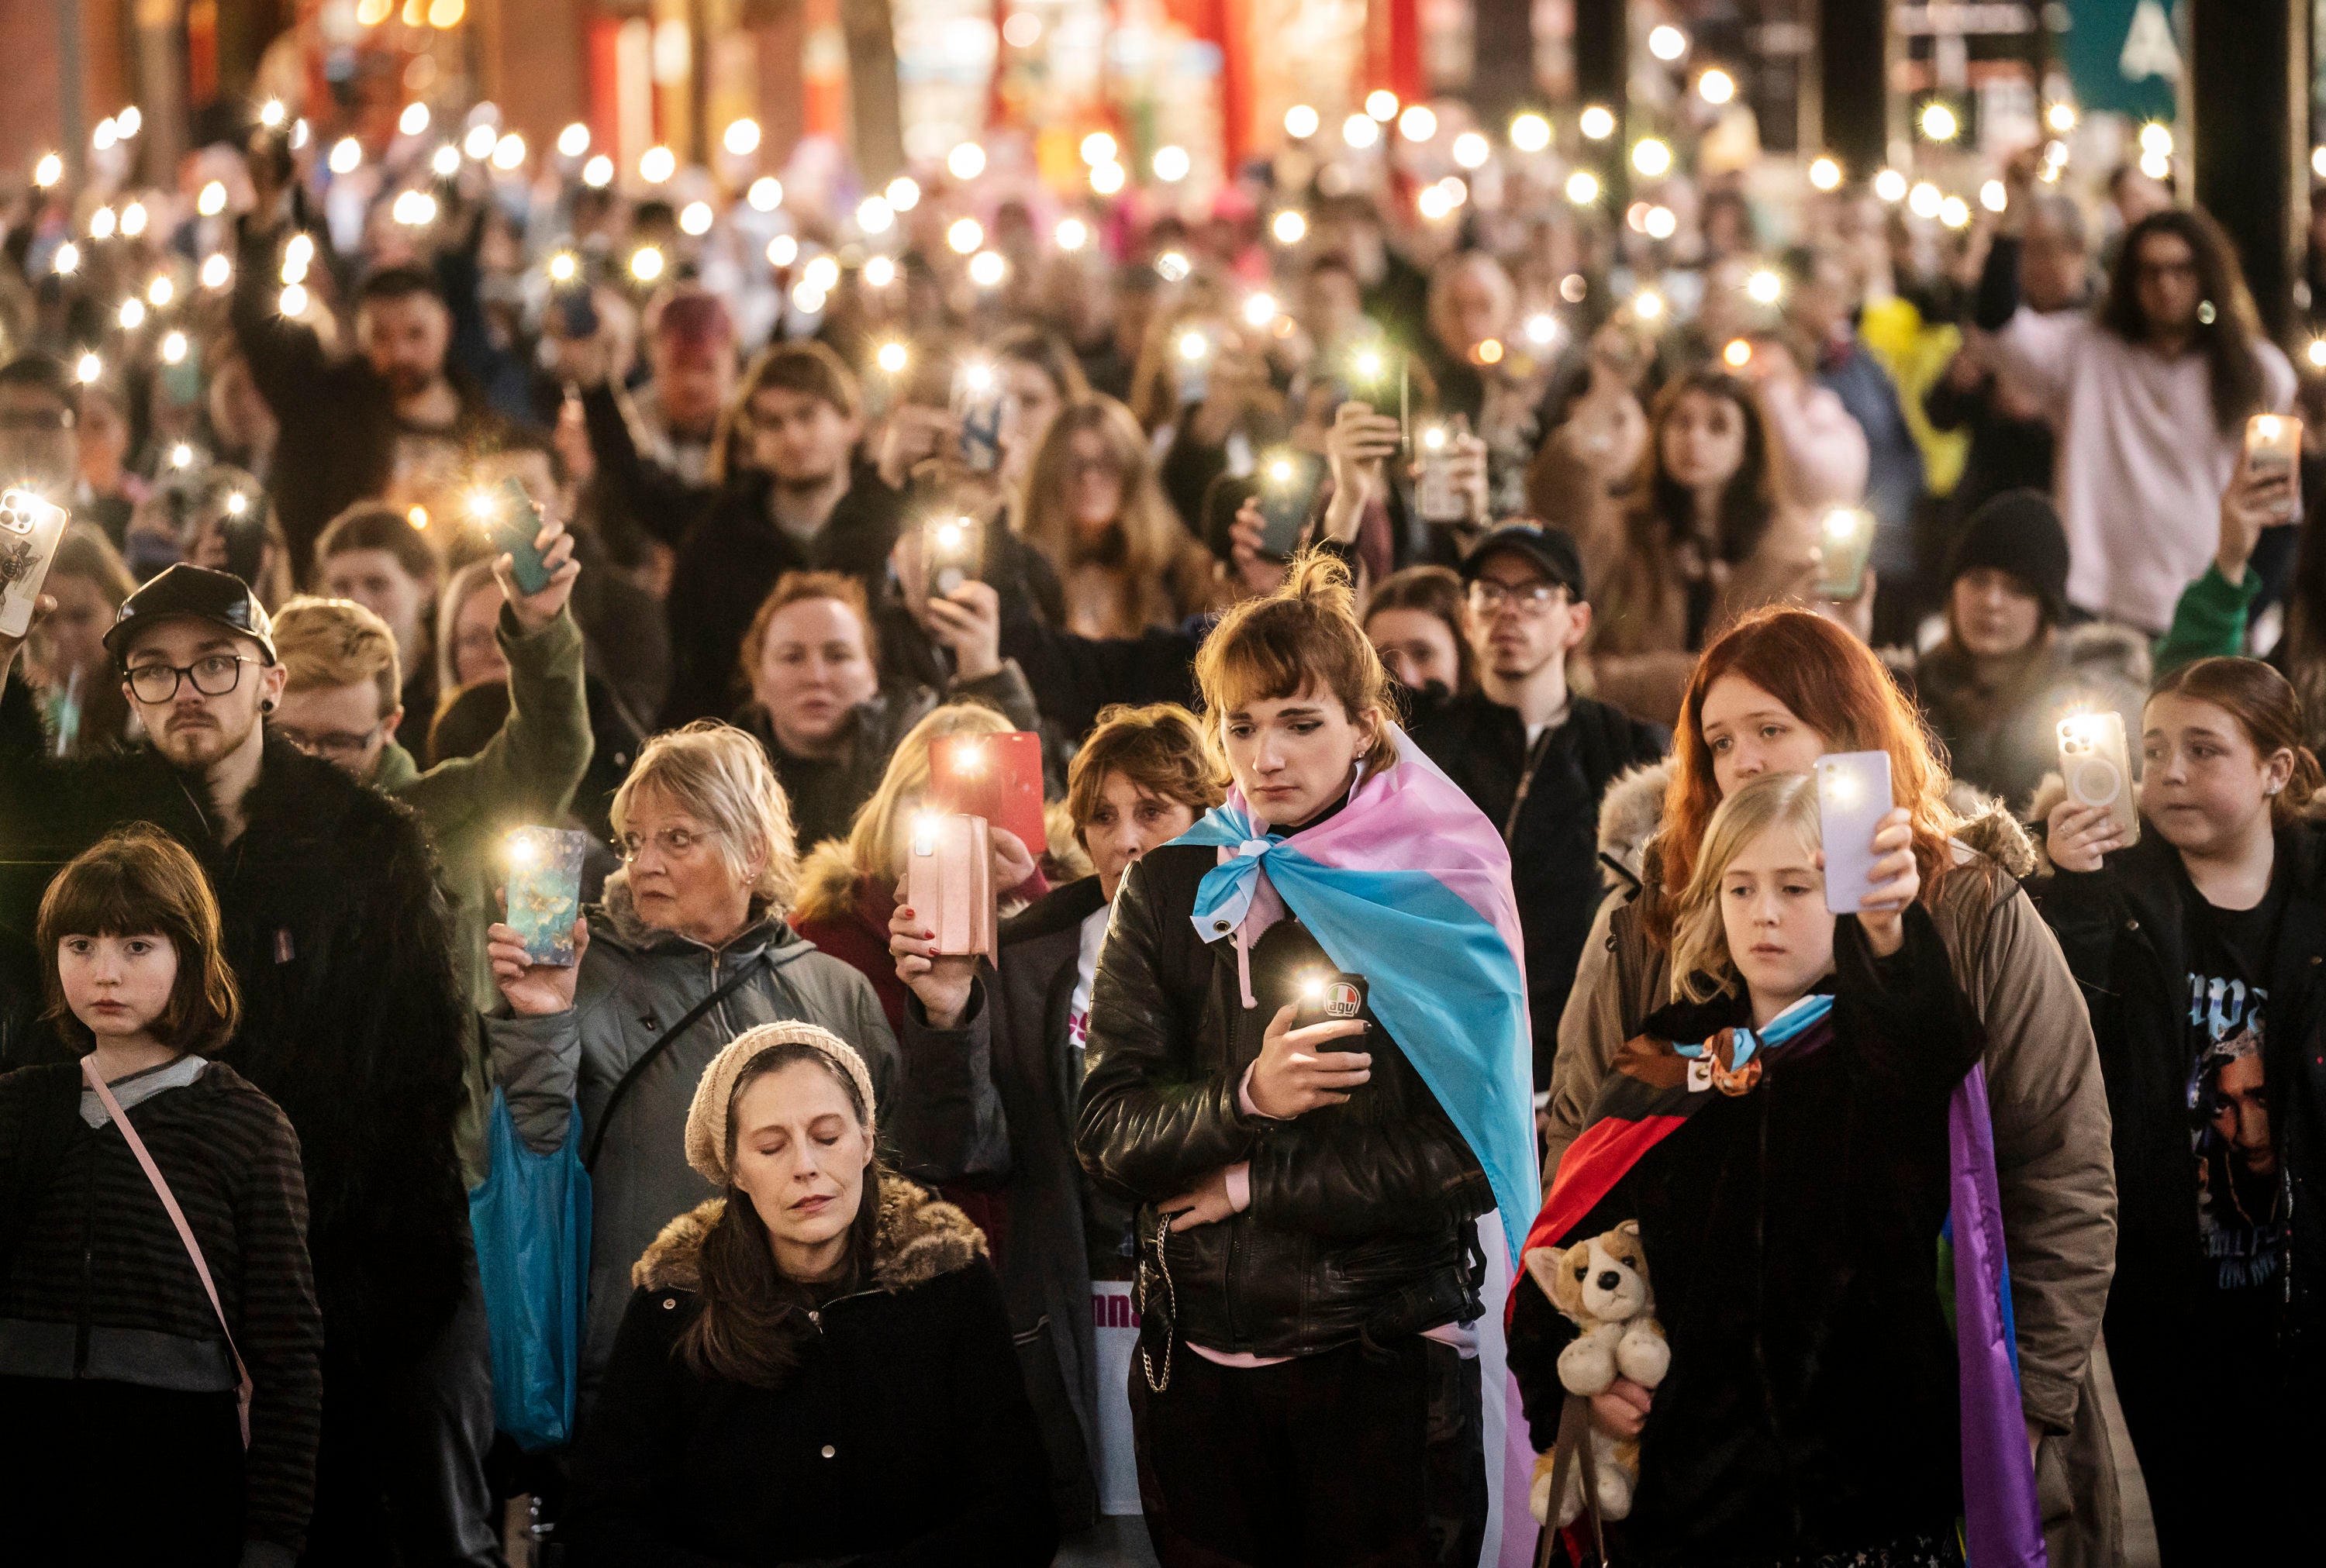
675	843
1531	598
331	745
214	676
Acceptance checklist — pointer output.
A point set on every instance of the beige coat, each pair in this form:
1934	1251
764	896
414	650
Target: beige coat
2051	1138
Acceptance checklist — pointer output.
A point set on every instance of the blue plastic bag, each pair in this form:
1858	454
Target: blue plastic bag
531	1217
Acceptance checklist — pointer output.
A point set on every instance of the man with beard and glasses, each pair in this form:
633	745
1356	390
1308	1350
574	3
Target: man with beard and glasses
353	1022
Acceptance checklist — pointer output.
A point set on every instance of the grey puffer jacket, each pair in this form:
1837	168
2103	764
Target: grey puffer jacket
635	982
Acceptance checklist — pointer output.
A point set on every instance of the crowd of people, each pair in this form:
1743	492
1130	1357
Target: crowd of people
1433	635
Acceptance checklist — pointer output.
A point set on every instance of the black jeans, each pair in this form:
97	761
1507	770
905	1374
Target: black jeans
1349	1457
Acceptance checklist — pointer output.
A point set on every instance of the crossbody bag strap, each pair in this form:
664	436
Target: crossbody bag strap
653	1053
185	1232
1572	1448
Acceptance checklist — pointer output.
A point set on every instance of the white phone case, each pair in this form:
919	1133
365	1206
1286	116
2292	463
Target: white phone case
1852	797
2096	765
30	527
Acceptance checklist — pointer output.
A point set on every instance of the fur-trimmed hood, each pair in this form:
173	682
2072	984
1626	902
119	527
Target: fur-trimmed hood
1633	808
920	1238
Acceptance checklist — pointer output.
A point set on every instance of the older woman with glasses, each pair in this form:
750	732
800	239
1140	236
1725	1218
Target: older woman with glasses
689	949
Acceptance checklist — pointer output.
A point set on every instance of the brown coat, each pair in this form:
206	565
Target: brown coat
2051	1132
1637	651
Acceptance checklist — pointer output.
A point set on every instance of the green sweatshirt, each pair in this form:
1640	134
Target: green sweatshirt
2209	621
525	777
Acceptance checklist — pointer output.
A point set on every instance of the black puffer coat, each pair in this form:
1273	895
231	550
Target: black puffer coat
1359	1226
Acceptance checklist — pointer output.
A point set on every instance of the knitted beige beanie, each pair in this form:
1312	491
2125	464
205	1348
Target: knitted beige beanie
714	1096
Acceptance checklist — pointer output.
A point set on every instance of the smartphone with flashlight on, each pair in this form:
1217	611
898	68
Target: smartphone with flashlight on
1436	496
2274	447
949	883
30	526
1285	486
977	397
2096	765
1194	348
545	891
1844	545
998	777
513	522
949	554
1852	797
1330	997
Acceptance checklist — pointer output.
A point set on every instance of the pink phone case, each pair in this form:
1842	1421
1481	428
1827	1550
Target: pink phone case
949	883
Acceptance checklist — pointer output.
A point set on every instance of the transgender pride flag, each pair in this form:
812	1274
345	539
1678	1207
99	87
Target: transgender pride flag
1409	886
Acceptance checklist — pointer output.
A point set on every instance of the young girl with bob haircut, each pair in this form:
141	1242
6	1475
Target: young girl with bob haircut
116	1341
1772	694
1809	1410
1308	1267
2197	948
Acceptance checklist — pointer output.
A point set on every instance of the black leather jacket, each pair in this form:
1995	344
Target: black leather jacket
1359	1226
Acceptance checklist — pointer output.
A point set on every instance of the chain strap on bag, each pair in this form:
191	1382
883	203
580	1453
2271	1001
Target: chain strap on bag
95	1081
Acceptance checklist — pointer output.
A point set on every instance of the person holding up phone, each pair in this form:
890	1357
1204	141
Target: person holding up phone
1772	694
1308	1264
2197	948
1779	1133
2008	668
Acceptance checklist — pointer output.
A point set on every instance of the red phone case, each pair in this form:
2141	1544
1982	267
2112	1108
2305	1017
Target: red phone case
998	777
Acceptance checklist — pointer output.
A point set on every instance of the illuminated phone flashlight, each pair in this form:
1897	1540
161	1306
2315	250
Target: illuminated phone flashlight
978	378
892	357
236	503
161	291
418	518
133	314
1763	287
2265	428
271	114
1172	267
181	456
1280	471
1541	329
646	264
482	507
879	273
1648	305
174	347
1193	345
1738	354
924	833
1312	988
949	535
88	369
1369	365
1489	352
445	162
987	268
522	849
562	267
48	170
1841	522
1260	310
1842	785
964	236
1288	226
133	219
67	259
970	758
1434	438
1073	234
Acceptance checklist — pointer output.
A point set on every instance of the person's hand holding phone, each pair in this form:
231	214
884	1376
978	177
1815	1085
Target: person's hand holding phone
1466	467
570	437
533	990
43	608
1299	1071
1359	447
1013	863
968	621
1893	881
1257	573
915	434
942	982
2078	837
2257	498
535	611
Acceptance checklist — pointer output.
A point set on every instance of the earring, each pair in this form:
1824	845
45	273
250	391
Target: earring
266	705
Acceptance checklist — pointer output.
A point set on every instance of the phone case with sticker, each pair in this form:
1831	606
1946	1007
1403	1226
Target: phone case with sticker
30	526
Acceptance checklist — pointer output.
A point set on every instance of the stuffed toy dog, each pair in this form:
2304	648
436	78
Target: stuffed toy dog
1601	1285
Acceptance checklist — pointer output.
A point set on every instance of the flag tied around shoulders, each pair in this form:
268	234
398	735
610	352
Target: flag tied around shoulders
1409	886
1651	1091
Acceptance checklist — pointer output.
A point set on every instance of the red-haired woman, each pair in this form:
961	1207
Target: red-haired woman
2198	947
1779	690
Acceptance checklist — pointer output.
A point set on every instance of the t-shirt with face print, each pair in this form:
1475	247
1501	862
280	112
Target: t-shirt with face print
2234	1155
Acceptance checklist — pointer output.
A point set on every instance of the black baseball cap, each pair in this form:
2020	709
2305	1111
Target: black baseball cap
1552	549
194	593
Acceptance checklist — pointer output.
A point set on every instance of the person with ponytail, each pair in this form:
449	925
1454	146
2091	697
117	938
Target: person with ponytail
815	1367
1308	1383
2198	946
1776	691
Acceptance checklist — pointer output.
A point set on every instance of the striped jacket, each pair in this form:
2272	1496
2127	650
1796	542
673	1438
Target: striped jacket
95	1283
